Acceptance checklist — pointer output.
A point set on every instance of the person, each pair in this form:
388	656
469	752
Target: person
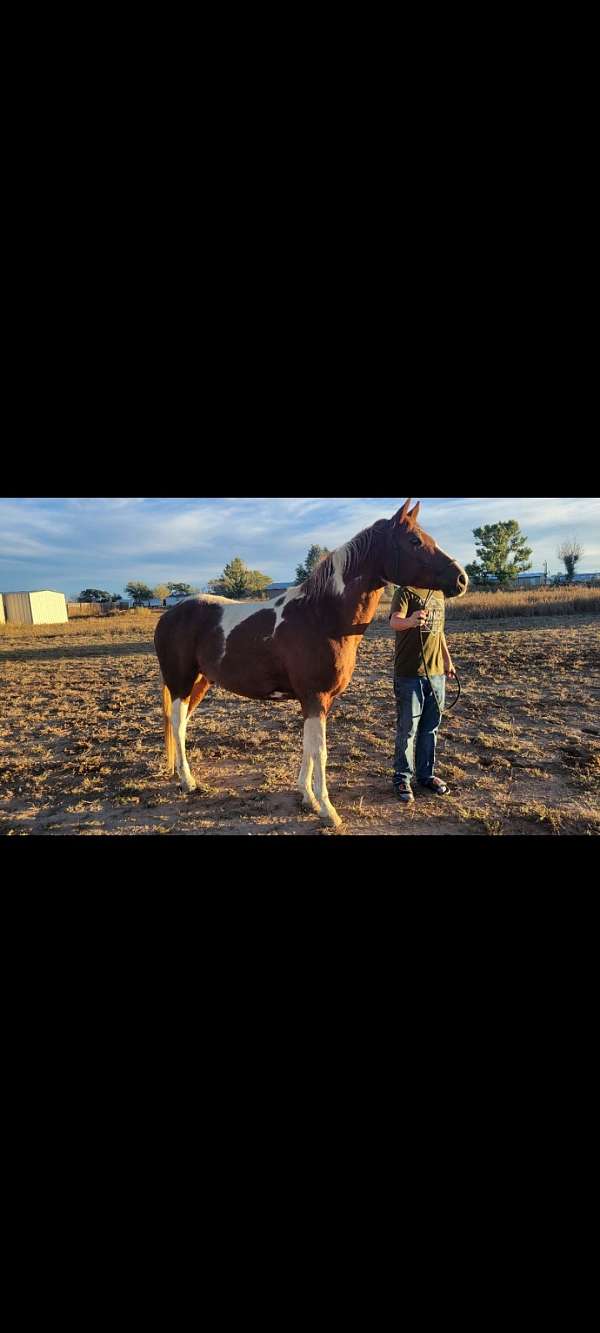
418	714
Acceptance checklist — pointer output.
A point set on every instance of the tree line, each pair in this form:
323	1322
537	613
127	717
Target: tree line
139	592
236	581
501	548
504	554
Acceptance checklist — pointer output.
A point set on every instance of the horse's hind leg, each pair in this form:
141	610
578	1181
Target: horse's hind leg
201	687
181	713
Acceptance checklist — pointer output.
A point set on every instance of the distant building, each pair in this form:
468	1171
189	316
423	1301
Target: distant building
537	580
533	580
155	603
275	589
577	578
41	607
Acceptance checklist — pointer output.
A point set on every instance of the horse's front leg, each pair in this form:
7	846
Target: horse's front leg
305	776
315	760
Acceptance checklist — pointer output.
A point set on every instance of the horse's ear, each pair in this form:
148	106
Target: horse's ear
414	513
401	515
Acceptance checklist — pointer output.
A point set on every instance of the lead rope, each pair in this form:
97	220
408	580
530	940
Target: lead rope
455	701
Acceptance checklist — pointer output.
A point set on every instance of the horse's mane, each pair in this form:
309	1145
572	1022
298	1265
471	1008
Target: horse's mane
346	561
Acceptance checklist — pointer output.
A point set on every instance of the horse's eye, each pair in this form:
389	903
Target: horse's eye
415	541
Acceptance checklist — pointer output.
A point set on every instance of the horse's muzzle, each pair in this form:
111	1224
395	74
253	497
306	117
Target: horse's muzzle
459	588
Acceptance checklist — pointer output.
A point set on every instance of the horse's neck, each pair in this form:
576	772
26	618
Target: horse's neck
360	604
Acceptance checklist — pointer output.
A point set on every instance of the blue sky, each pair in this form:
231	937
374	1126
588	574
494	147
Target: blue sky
70	544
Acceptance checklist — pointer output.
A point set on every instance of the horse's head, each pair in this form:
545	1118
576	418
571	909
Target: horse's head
414	559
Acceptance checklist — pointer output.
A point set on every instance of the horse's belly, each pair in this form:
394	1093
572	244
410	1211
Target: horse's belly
253	680
273	695
249	691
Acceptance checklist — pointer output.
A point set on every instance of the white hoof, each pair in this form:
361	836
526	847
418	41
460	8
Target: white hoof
331	817
309	801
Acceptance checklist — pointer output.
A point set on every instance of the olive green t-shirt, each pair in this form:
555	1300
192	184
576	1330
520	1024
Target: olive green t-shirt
408	660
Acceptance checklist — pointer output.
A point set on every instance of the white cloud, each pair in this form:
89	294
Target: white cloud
108	541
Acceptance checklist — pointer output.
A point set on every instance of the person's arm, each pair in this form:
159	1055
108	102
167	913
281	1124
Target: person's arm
400	621
448	663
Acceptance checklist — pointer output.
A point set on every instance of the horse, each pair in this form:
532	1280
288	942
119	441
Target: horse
301	645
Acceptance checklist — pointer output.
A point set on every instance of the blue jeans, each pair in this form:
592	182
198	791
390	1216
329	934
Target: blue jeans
418	720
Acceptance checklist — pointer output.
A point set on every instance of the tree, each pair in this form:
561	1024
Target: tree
257	581
502	550
180	589
161	591
570	553
238	581
96	595
314	558
139	592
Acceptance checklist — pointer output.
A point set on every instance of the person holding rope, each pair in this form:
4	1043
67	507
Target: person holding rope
421	665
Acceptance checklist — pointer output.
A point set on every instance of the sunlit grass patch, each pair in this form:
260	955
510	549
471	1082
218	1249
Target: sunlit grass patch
525	602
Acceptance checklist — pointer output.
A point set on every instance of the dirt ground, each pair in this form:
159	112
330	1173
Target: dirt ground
81	739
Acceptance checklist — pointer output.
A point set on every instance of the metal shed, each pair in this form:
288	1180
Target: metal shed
35	608
274	589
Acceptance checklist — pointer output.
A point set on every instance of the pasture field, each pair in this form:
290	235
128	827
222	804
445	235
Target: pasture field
81	738
526	602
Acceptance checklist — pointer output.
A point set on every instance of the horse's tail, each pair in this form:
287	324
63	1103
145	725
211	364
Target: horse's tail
169	736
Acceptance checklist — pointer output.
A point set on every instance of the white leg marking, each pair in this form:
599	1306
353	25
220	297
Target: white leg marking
315	745
179	719
306	774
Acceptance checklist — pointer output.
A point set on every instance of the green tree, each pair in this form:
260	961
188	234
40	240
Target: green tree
139	592
503	551
314	558
237	581
570	553
96	595
161	591
257	581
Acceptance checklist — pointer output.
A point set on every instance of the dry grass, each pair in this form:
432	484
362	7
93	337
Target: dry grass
525	602
81	739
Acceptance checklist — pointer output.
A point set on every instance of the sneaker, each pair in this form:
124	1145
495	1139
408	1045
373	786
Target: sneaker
435	785
403	794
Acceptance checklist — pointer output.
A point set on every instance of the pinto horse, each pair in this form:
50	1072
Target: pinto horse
301	645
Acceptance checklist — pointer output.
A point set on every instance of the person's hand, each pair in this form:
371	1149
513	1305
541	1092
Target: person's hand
417	618
450	672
